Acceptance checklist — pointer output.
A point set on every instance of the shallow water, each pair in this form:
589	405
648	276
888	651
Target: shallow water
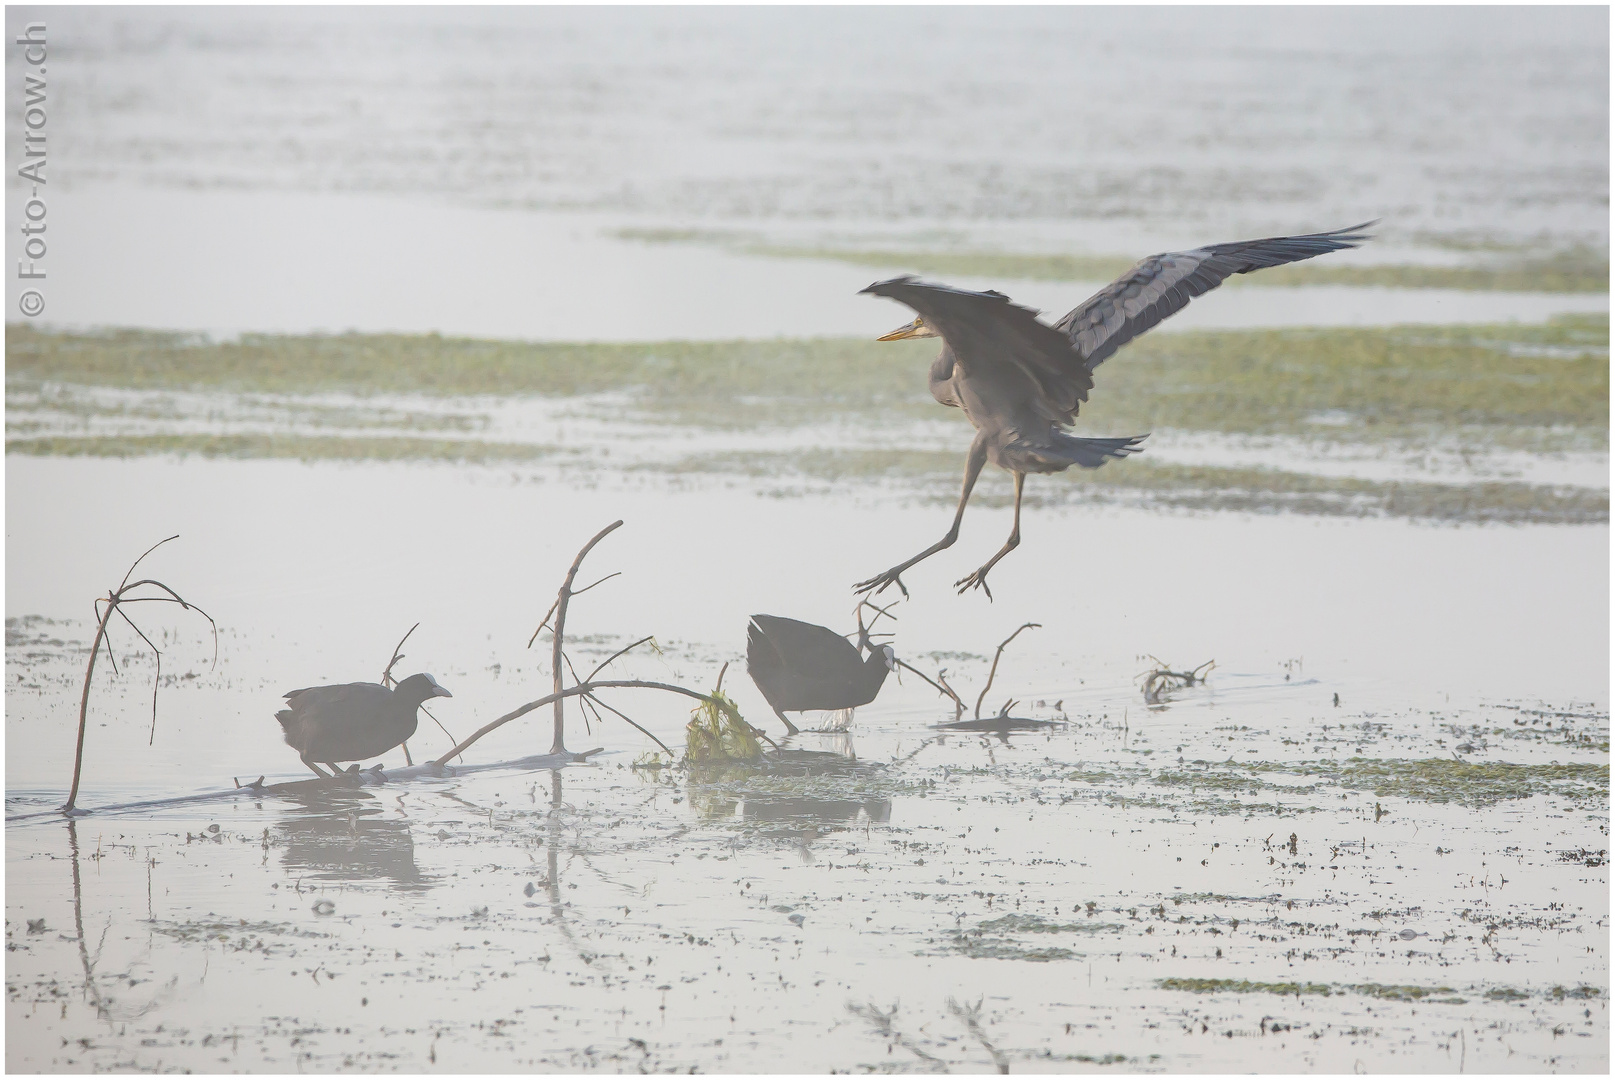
224	263
468	170
744	925
626	430
1122	119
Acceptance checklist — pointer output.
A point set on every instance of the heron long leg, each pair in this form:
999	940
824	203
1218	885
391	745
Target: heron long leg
979	578
973	464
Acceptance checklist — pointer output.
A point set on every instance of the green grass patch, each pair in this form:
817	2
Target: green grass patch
1376	990
1031	924
1480	783
1368	384
1243	986
1475	783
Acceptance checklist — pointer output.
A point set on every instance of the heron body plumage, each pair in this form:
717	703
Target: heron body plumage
1021	382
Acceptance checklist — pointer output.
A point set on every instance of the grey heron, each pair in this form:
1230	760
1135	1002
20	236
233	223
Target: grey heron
1020	381
353	721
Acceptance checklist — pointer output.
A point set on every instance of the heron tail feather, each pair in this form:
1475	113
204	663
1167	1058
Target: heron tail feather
1091	453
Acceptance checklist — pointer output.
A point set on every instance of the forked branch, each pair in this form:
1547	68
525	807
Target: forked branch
114	602
994	672
558	610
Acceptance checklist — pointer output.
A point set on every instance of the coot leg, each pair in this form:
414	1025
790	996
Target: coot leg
790	728
317	770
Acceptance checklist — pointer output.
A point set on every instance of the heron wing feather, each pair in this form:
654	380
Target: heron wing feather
1162	285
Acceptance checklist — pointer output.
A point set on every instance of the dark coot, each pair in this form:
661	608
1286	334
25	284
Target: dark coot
353	721
800	666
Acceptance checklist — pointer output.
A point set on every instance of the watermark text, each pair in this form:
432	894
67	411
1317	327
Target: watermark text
31	266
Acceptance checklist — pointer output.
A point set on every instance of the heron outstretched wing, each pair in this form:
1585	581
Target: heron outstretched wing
1163	285
1003	343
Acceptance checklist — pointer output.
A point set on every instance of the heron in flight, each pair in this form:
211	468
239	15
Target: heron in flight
1021	381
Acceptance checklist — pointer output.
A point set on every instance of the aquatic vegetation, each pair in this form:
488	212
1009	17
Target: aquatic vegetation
1388	382
1398	390
1243	986
1476	783
1429	780
717	738
1376	990
1033	924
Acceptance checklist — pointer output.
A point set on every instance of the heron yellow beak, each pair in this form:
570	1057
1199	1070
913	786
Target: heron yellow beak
915	329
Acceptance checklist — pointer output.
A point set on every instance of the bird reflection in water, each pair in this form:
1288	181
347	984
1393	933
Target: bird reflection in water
339	836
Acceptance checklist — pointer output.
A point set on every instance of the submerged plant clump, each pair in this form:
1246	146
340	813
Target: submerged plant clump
1439	780
1478	783
717	737
1377	990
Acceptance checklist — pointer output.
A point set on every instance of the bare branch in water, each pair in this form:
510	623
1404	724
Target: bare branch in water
603	705
544	622
588	688
994	672
156	679
562	598
387	672
958	706
586	588
721	671
124	583
941	688
618	653
114	602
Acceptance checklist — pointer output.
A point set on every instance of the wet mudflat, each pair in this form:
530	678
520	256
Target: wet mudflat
1246	876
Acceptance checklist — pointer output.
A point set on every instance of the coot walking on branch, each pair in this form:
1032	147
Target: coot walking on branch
801	666
353	721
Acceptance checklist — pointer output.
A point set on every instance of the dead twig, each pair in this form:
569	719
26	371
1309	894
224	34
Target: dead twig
941	686
1164	679
608	708
958	705
619	652
114	602
992	674
387	679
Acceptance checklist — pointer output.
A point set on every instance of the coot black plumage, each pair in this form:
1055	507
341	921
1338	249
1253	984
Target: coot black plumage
353	721
801	666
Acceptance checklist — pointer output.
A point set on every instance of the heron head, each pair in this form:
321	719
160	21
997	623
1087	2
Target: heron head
915	329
